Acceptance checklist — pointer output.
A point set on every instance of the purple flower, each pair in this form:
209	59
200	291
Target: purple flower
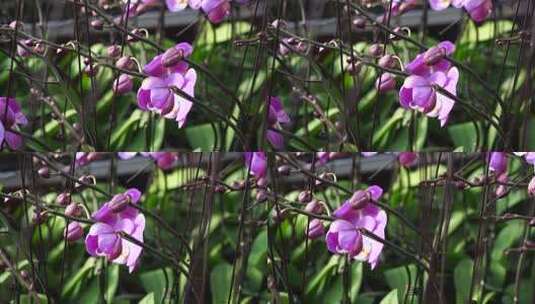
528	156
498	163
344	235
164	160
257	163
419	91
104	237
478	10
11	117
407	159
84	158
276	117
156	93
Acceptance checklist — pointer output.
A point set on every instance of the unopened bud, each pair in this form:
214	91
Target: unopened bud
125	63
359	23
73	232
44	172
123	84
74	210
97	24
387	61
283	170
63	198
314	207
315	229
304	196
262	182
531	187
113	51
385	83
261	195
375	50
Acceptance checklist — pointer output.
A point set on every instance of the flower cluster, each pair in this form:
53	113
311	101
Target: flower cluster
478	10
11	117
215	10
428	72
169	72
345	233
113	219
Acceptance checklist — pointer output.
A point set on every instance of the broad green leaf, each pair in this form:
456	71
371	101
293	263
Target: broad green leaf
220	282
463	280
154	282
391	298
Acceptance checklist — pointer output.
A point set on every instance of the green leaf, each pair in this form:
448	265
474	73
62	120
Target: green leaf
398	279
391	298
148	299
220	282
154	282
201	137
464	136
463	280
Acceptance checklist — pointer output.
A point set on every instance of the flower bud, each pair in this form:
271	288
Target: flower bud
532	222
434	55
220	189
359	23
123	84
283	170
279	23
501	190
90	70
262	182
113	51
279	215
172	56
385	83
84	179
97	24
387	61
531	187
74	210
39	217
119	202
314	207
16	25
73	232
304	196
360	199
63	198
238	185
315	229
407	159
261	195
375	50
44	172
125	63
353	68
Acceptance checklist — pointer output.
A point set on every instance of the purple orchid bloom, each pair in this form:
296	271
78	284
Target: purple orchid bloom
407	159
428	71
344	236
498	163
11	117
85	158
276	117
528	156
167	72
164	160
104	237
257	163
478	10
